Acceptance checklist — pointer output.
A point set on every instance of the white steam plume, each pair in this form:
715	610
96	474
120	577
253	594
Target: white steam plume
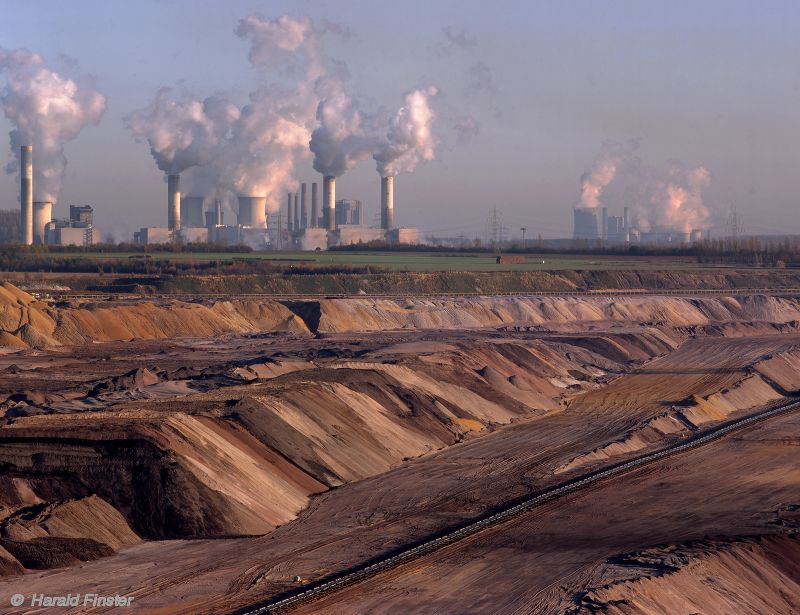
182	132
341	139
594	181
47	110
676	203
409	139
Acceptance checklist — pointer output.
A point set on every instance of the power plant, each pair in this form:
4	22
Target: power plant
37	225
594	224
338	222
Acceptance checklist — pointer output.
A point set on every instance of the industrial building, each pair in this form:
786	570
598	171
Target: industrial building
348	212
36	218
595	224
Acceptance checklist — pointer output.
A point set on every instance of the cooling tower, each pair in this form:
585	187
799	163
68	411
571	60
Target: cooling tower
42	214
296	211
26	195
192	212
387	203
314	206
253	211
697	235
174	202
586	223
303	207
329	201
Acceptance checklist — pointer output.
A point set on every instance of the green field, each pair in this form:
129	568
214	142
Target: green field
421	261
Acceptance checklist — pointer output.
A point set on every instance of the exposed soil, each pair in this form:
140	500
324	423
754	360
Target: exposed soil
308	437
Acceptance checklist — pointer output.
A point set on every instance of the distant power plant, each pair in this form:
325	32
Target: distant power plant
193	218
594	223
37	225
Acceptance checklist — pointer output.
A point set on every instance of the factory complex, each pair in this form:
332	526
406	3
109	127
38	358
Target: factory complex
302	226
594	223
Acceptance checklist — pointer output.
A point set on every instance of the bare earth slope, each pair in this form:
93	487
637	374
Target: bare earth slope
308	437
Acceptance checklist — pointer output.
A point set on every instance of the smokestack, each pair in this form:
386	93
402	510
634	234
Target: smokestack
296	211
218	212
387	202
314	206
42	214
303	207
289	216
174	202
604	227
625	219
329	201
26	195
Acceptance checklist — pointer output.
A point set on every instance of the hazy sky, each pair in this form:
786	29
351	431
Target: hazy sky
700	83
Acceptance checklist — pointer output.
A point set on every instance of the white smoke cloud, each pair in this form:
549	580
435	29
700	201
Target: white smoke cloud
47	110
182	132
671	201
602	173
409	139
676	202
248	150
275	126
341	139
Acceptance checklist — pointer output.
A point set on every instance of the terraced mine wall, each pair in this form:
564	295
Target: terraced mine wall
28	322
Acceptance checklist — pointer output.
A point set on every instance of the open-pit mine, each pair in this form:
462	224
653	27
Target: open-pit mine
630	453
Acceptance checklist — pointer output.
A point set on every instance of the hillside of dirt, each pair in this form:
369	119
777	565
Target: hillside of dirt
28	322
200	455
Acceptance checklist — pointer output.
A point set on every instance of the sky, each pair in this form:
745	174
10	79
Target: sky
549	86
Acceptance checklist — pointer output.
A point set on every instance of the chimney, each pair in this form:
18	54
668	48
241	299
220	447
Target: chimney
174	202
604	225
303	207
289	216
26	195
218	212
329	201
314	206
387	202
42	214
625	219
296	212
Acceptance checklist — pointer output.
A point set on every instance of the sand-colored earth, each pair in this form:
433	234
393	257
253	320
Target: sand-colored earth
308	437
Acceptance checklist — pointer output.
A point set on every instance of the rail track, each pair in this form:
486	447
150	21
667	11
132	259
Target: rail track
337	581
65	295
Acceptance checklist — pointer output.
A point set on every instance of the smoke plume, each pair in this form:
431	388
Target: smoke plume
409	139
182	132
47	110
341	139
248	150
676	202
660	201
594	181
